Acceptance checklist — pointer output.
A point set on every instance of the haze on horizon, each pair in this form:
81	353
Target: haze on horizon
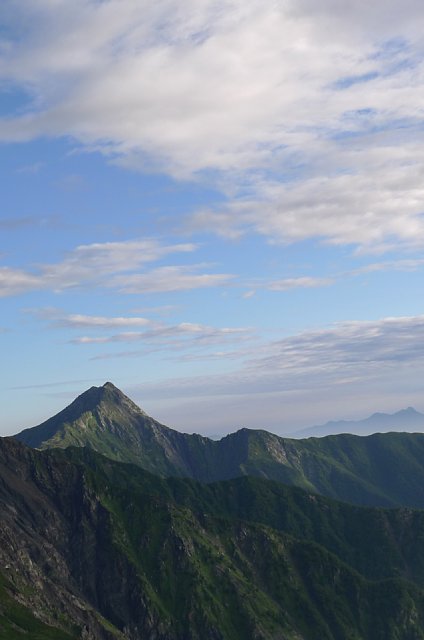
217	206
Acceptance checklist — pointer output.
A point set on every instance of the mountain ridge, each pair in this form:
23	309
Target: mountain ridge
118	553
379	470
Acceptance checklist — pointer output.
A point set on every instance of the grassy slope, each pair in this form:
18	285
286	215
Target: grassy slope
377	542
19	623
200	551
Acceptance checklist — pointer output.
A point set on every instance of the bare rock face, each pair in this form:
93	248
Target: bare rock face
56	547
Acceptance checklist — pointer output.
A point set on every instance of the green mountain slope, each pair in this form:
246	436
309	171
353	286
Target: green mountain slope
382	469
17	622
379	543
124	554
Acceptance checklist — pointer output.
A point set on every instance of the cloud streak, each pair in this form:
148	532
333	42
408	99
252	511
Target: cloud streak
58	319
317	374
111	265
153	336
170	278
348	353
179	336
305	282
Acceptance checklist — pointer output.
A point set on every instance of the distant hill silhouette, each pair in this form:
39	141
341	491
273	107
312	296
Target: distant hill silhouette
408	420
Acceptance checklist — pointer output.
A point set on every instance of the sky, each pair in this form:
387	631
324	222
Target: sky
217	205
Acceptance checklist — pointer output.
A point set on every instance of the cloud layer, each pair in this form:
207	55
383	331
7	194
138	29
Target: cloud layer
309	117
348	352
345	370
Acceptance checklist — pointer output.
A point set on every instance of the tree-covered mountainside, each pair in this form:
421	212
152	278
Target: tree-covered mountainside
382	469
102	550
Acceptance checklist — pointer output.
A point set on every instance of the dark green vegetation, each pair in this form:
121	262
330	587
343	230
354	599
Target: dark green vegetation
380	470
18	622
93	544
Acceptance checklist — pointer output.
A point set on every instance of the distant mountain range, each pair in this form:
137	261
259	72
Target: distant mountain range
380	470
408	420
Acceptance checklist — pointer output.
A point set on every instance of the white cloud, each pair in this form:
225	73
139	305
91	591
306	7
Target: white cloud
88	263
170	278
77	320
15	281
111	265
327	98
377	208
314	282
153	336
167	338
412	264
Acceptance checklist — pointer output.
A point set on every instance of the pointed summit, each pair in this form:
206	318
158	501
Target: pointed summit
345	467
109	388
106	420
92	419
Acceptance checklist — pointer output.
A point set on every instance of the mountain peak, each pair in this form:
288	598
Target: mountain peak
409	410
111	387
96	396
93	414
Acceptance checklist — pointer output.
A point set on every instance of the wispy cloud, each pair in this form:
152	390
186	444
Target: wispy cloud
314	282
412	264
104	265
58	319
16	281
171	278
354	346
153	336
349	351
47	385
305	282
178	336
296	377
31	169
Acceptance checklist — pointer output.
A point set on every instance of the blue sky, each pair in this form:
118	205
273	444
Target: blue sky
216	205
